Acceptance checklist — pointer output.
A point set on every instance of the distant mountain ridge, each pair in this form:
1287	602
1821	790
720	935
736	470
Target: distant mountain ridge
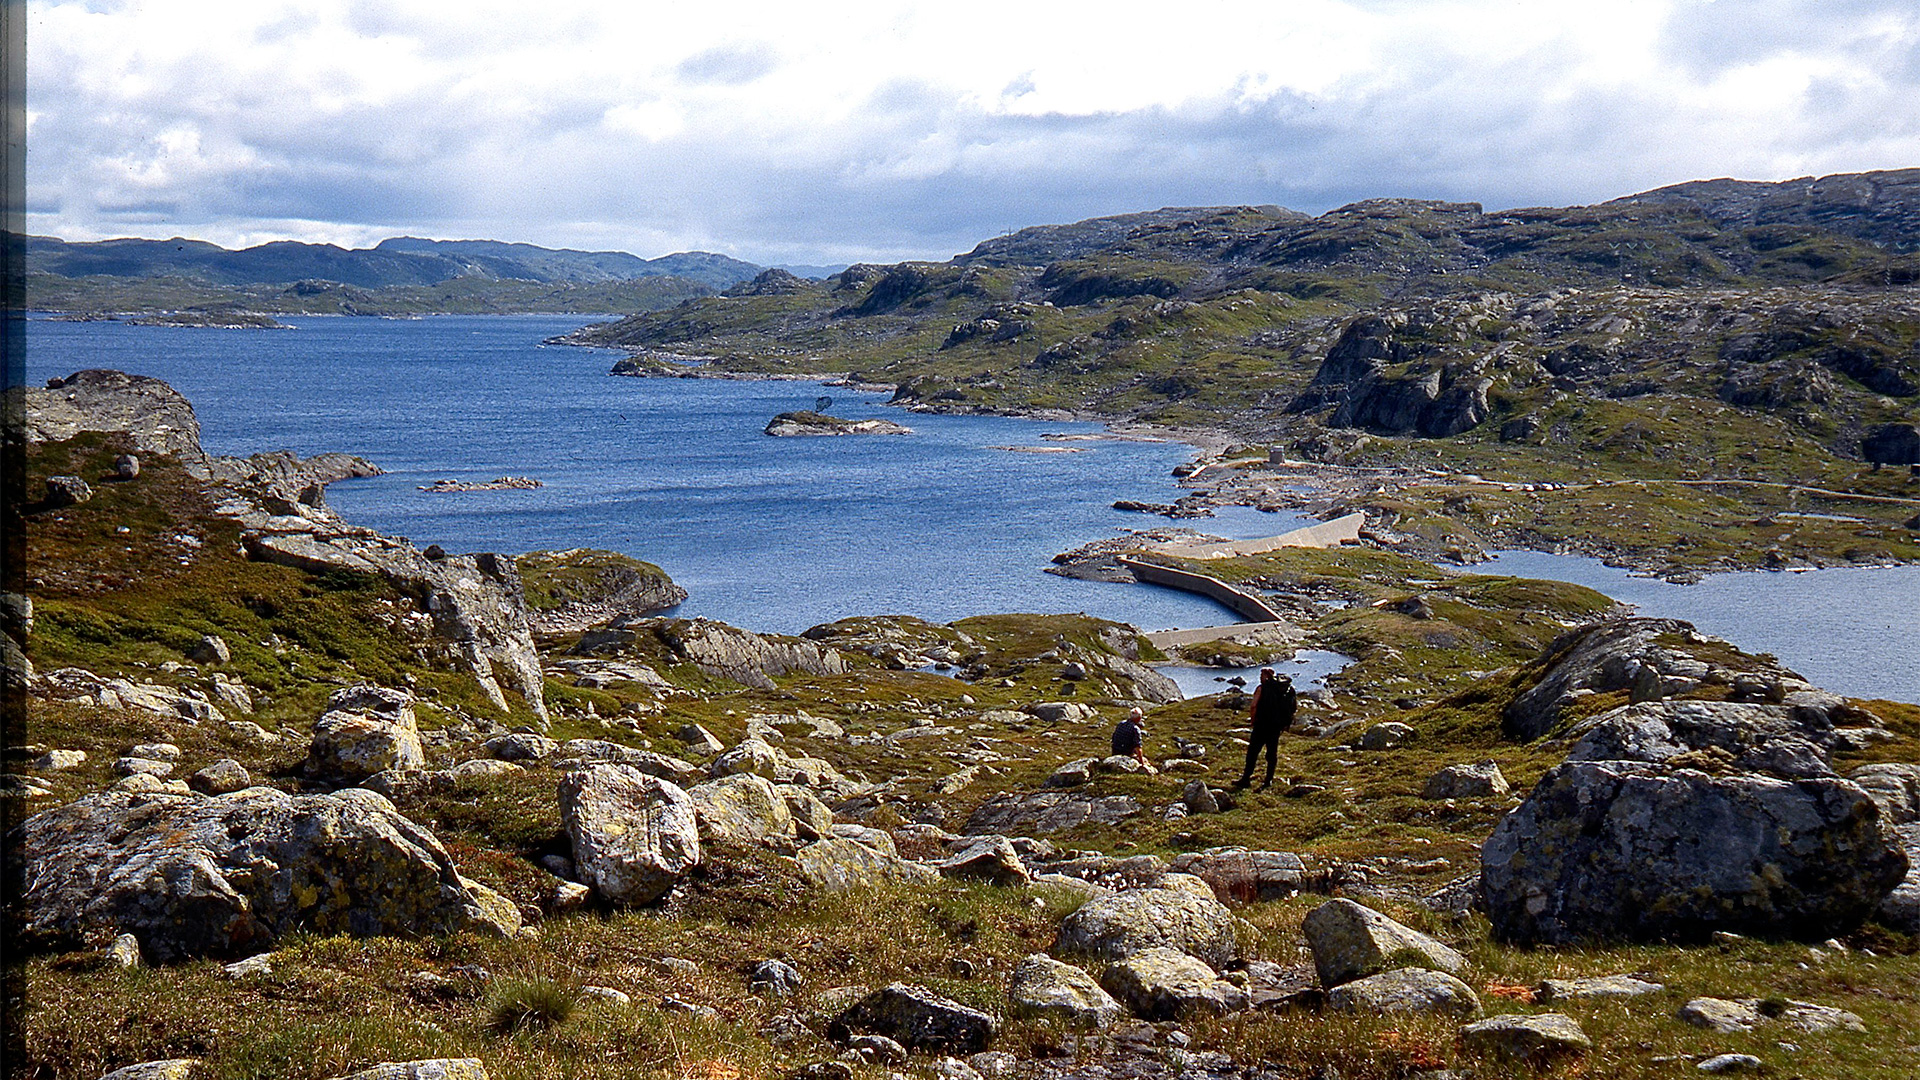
396	261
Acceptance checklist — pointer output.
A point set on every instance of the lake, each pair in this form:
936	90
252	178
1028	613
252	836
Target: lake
782	534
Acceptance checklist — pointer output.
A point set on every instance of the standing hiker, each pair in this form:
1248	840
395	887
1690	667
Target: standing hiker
1274	703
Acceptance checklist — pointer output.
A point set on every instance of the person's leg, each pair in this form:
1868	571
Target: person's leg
1253	758
1273	755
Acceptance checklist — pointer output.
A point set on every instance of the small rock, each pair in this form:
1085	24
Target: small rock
1466	782
125	951
1350	941
211	650
1043	986
1602	986
990	858
1720	1015
878	1050
220	778
1527	1038
1386	736
994	1064
918	1018
1406	990
606	994
126	467
252	965
1730	1063
822	1070
775	977
430	1069
569	896
1166	984
65	491
674	965
155	751
59	760
952	1068
140	766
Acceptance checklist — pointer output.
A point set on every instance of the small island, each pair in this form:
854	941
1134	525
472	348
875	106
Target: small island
503	483
808	422
217	320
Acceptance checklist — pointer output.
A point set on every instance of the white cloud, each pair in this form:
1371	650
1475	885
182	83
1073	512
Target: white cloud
880	131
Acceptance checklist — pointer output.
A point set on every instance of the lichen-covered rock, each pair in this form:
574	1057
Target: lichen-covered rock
1027	813
1386	736
838	864
1167	984
1901	908
1598	986
1045	987
989	858
220	778
569	591
1240	875
633	835
1895	789
1605	850
1777	740
812	819
520	746
1526	1038
365	730
195	876
166	1069
1406	990
741	809
918	1019
1178	913
1350	941
1476	781
1720	1015
430	1069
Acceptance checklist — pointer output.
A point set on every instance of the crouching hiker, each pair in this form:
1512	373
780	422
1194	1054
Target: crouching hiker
1274	703
1130	737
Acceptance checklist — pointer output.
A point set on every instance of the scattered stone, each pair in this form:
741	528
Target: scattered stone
1045	987
1720	1015
677	966
877	1050
569	896
1479	781
65	491
699	741
1242	876
994	1064
775	977
1166	984
124	952
1072	774
1386	736
1730	1063
918	1018
521	746
1179	913
212	649
1198	798
1601	986
431	1069
812	819
1062	712
1532	1038
633	834
156	751
168	1069
989	858
261	965
838	864
223	777
606	995
60	760
1406	990
1350	941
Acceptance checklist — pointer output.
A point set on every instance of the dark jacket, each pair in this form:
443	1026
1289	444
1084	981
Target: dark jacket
1274	705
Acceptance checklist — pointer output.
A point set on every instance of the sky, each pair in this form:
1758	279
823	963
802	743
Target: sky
854	131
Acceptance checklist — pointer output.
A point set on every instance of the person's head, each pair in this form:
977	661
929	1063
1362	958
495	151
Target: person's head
1136	716
1266	674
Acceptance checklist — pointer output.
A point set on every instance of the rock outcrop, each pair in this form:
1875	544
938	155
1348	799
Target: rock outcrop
718	650
791	424
1351	941
157	417
918	1019
569	591
1178	913
1367	374
1018	813
191	875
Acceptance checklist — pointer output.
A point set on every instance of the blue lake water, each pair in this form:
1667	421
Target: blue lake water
782	534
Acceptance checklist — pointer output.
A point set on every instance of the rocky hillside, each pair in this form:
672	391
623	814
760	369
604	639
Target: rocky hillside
302	801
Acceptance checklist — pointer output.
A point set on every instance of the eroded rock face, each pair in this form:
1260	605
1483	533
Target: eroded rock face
1607	850
191	875
157	416
633	835
1777	740
1901	908
1350	941
1179	913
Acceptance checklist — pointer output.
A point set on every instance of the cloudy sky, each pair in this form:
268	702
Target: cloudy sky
848	131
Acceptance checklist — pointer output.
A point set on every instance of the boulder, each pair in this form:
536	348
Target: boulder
741	809
1045	987
1892	444
212	649
838	864
1029	813
65	491
520	746
1350	941
1534	1038
918	1019
194	876
1072	774
365	730
1894	787
1605	850
1198	798
633	835
157	417
220	778
1386	736
165	1069
756	756
430	1069
1730	1063
1179	913
1241	876
1167	984
1720	1015
1406	990
988	858
1479	781
698	740
1901	908
775	977
1062	712
126	467
1599	986
812	819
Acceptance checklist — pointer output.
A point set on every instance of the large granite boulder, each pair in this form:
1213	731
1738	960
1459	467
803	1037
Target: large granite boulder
741	809
191	875
1178	913
918	1019
1350	941
365	730
157	417
633	835
1778	740
1045	987
1167	984
1604	850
